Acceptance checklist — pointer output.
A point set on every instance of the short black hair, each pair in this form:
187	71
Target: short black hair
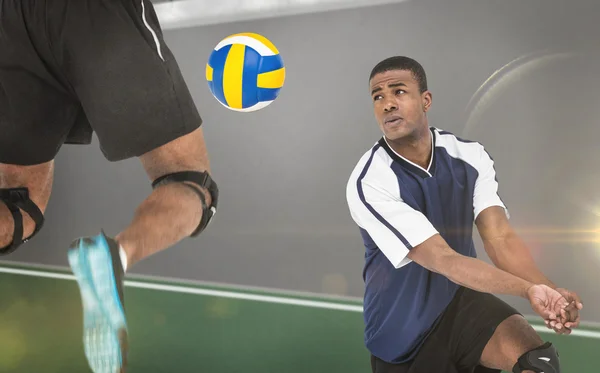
402	63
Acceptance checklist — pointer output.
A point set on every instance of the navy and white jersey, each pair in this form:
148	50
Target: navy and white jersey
397	205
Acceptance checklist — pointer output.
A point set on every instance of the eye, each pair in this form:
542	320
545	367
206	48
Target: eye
377	97
400	91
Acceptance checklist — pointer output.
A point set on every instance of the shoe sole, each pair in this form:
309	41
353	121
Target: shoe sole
105	332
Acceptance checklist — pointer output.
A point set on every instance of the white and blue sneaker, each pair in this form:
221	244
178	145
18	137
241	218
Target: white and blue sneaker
97	266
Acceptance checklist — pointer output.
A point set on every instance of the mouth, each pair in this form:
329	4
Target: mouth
392	120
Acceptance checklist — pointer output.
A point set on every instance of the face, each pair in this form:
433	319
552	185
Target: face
399	105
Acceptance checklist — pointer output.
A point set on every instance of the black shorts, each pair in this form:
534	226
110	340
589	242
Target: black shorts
458	340
69	68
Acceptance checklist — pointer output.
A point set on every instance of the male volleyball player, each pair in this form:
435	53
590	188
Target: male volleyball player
415	195
71	67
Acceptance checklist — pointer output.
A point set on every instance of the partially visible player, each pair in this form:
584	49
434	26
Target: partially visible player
71	68
415	196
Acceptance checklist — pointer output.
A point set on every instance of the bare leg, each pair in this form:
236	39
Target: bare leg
513	337
38	180
173	211
169	214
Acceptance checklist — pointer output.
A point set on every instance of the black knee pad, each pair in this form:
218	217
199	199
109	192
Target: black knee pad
203	180
542	359
17	199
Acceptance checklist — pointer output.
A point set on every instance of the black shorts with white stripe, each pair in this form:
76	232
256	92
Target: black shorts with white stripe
69	68
456	344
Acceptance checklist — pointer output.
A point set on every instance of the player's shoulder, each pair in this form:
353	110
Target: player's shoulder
448	136
372	162
456	146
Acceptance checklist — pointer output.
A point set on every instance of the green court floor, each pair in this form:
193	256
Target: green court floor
179	327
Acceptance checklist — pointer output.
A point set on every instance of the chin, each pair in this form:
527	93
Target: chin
398	133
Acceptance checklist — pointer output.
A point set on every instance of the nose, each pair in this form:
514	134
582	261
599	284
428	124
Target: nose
390	105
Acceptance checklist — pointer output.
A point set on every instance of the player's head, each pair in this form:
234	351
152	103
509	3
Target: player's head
398	87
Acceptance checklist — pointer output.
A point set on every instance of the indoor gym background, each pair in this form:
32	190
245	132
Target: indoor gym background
275	283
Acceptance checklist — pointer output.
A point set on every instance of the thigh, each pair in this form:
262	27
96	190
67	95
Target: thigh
36	110
512	338
436	354
123	74
186	153
469	323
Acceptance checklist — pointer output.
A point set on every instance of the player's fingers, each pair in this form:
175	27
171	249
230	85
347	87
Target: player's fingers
573	324
572	313
564	314
568	316
576	301
565	331
560	329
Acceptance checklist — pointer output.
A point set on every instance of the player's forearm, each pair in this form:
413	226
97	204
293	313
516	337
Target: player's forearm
435	255
510	254
480	276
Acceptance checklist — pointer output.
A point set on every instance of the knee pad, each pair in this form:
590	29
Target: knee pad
542	359
203	180
17	199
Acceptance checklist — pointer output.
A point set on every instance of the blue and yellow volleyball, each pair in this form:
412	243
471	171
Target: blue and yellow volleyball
245	72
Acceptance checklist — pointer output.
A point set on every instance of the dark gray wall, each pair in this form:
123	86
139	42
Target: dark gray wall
282	171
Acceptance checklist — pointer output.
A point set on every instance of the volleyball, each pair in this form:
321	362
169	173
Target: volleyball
245	72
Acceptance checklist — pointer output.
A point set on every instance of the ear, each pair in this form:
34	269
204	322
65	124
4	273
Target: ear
427	98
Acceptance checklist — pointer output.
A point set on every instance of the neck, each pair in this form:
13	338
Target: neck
416	148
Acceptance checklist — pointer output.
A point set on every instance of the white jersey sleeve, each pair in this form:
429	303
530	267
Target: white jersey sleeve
485	193
486	186
374	198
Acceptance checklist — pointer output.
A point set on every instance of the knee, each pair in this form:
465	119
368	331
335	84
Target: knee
516	336
18	227
202	184
540	359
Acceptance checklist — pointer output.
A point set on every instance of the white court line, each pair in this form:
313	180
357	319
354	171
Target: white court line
576	332
253	297
209	292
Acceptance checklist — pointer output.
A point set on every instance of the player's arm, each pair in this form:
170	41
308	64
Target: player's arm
506	249
435	255
404	234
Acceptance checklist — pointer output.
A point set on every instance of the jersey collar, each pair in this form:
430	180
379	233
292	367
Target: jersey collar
413	167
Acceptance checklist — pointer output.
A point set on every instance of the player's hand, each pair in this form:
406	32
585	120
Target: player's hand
549	304
570	314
